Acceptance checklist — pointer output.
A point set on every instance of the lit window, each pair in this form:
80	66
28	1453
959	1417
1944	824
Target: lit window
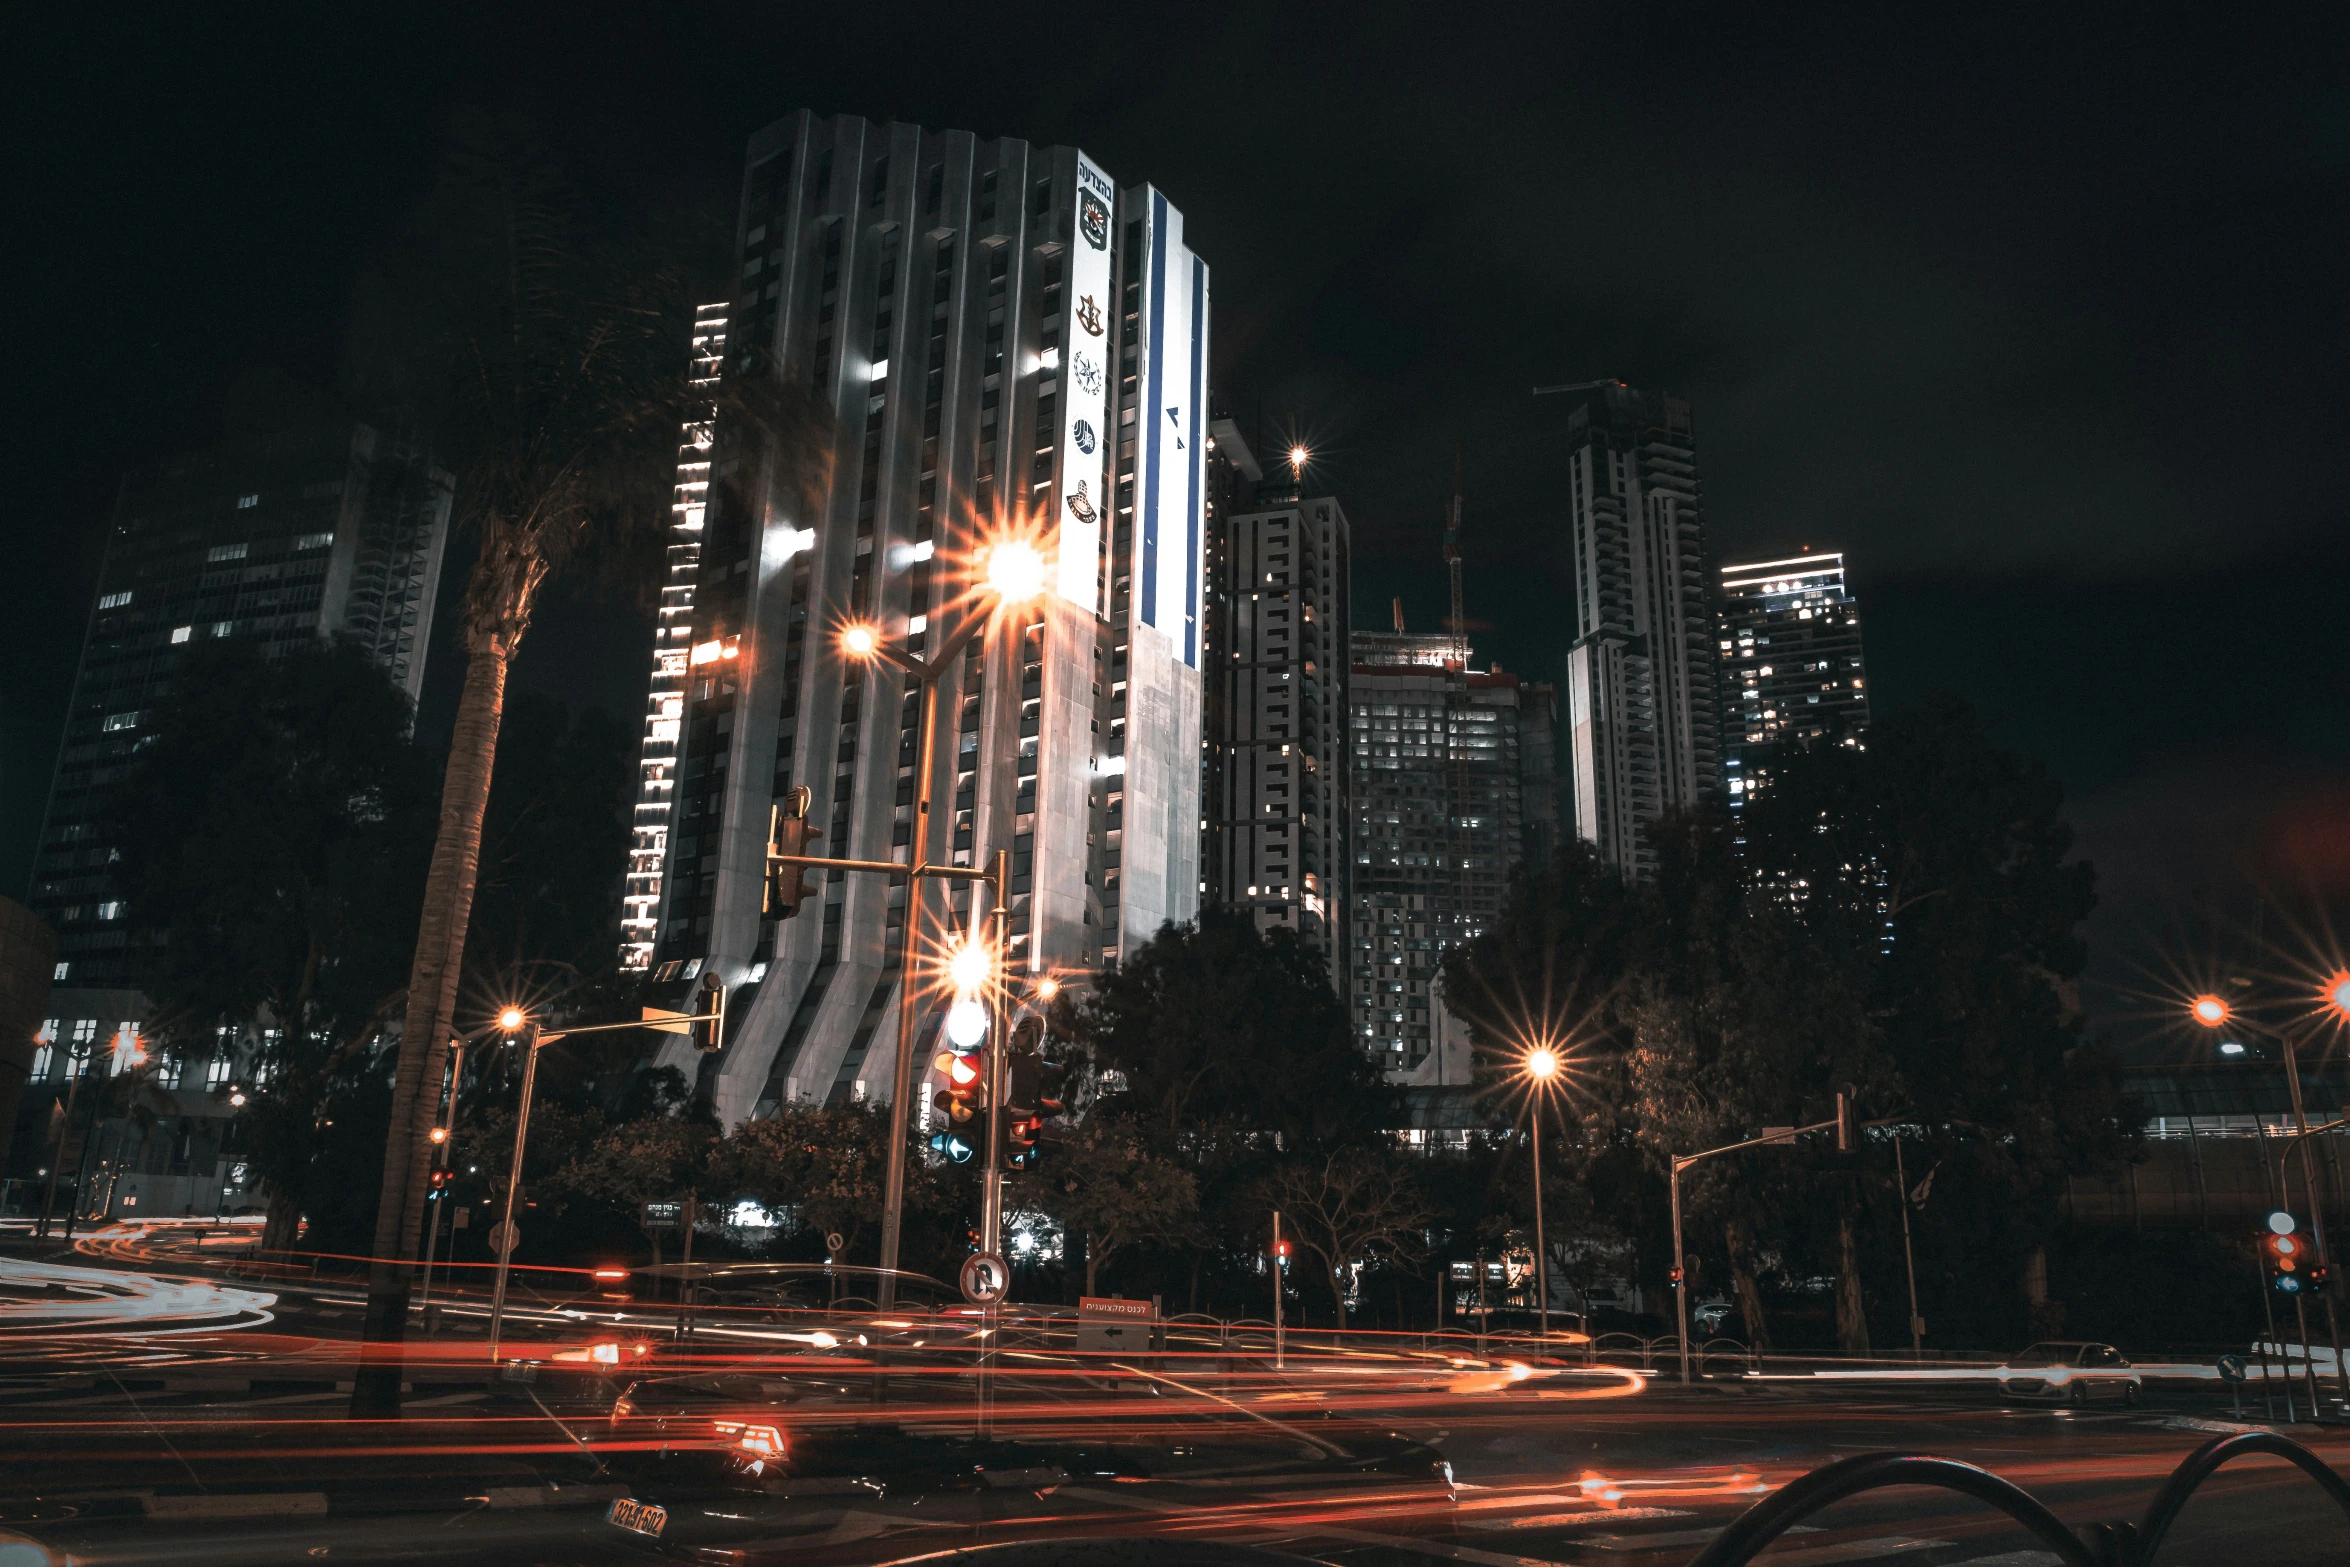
221	628
63	969
314	541
110	911
116	721
181	634
221	552
114	600
246	502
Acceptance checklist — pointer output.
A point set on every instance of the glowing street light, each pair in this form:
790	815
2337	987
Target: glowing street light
1542	1066
1299	456
969	967
2337	995
1015	571
860	641
510	1020
2209	1010
1047	988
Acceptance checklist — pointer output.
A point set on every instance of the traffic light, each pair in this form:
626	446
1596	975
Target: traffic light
965	1096
709	1013
788	832
2320	1278
2287	1254
440	1181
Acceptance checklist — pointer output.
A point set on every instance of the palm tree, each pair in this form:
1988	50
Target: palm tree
549	350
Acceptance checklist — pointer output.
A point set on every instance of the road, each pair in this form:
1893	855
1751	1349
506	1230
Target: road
239	1451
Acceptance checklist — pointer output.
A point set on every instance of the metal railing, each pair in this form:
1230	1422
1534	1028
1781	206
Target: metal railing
2118	1544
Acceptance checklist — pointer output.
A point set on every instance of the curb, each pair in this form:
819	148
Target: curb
191	1507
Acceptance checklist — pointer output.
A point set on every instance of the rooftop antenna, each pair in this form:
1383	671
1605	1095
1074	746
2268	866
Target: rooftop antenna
1399	615
1452	561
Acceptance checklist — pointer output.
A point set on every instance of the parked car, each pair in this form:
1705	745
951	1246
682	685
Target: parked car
2069	1372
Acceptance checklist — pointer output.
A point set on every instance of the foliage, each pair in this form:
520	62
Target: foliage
824	1163
1348	1206
272	827
1108	1184
1901	920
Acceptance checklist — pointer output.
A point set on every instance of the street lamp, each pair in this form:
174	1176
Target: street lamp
1015	570
2213	1012
1542	1065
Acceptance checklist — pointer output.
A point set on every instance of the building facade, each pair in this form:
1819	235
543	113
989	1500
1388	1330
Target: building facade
1641	674
673	639
1453	771
1010	344
1792	672
333	531
1278	789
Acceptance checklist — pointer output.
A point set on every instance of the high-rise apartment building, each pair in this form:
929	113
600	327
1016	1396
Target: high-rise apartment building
1642	729
1791	663
1454	771
673	636
1278	792
337	530
1011	344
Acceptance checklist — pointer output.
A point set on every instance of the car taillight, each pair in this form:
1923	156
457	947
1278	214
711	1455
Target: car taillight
764	1440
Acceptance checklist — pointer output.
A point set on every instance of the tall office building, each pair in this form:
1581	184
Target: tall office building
1010	343
1791	663
673	636
1278	792
1642	732
1453	771
337	530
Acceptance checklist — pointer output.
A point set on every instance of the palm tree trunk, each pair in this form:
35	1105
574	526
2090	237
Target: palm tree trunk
1852	1321
424	1032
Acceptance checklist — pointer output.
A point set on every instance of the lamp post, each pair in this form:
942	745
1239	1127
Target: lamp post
1542	1068
524	1030
1015	573
2214	1012
444	1140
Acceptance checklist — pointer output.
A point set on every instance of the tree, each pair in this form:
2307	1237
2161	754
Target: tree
548	350
826	1164
1347	1207
272	826
1226	1046
1105	1183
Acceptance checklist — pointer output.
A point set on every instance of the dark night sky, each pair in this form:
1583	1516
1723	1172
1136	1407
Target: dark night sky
2038	313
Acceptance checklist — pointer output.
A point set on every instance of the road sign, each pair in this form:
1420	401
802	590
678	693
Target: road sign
2231	1368
664	1216
985	1279
834	1242
504	1237
667	1022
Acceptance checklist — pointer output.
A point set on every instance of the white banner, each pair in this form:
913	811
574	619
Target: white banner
1087	378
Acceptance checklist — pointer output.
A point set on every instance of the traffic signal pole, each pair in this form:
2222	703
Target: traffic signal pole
1841	1124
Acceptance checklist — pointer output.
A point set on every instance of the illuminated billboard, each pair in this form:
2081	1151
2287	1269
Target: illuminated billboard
1087	376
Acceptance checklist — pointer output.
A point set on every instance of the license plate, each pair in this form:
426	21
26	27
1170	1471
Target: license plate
638	1517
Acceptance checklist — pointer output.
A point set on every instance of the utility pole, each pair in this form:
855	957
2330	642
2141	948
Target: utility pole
1909	1260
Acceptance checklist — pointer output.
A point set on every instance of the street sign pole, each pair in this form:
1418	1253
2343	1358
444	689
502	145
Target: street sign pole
1277	1286
504	1238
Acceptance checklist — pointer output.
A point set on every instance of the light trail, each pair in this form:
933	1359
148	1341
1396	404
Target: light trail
52	1298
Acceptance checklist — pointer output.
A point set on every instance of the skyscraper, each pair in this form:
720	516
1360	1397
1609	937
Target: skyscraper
673	634
1451	768
1010	343
336	530
1791	663
1642	732
1278	796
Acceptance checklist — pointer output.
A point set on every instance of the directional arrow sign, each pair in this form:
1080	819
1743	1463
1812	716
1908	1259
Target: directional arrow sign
668	1022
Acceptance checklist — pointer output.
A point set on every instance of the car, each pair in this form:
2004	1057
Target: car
2073	1372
